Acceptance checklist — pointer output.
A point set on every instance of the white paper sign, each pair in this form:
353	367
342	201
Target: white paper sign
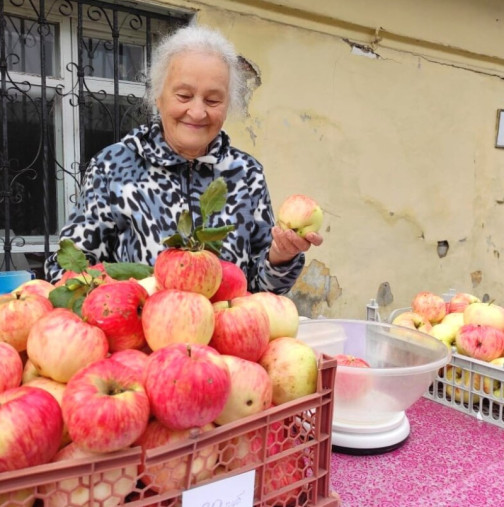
231	492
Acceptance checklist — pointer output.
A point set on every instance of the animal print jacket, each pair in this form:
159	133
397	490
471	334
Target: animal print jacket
135	190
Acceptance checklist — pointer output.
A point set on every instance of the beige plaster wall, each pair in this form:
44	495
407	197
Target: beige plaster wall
391	130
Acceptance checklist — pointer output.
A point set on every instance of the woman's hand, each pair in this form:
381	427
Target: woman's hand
287	244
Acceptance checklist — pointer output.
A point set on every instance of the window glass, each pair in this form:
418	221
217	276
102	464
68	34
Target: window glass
99	120
98	59
26	152
23	46
70	59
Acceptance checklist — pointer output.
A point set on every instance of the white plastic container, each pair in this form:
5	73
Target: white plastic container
403	364
325	336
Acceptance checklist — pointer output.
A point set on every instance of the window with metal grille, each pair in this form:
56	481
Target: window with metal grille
72	81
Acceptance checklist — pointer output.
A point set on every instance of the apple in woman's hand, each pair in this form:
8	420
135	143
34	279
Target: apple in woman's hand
301	214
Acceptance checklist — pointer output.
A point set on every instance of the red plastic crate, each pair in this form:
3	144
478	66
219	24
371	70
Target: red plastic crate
116	478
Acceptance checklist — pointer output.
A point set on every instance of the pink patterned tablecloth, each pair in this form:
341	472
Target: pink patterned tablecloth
450	460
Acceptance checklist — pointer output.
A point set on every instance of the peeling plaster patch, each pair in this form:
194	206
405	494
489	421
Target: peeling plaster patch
252	77
442	248
315	290
384	296
497	254
251	72
476	277
362	50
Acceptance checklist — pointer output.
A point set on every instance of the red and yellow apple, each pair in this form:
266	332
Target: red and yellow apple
116	308
30	427
460	301
61	343
134	359
301	214
481	342
173	316
282	313
11	367
105	407
199	271
431	306
241	329
251	390
412	320
292	366
17	316
187	385
485	314
56	389
233	283
36	286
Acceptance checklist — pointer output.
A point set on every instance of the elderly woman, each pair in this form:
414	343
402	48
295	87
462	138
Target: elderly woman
135	190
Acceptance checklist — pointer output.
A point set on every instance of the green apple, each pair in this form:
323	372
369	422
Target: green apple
492	385
459	385
301	214
444	332
447	329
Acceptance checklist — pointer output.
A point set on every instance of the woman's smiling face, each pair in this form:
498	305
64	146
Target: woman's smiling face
194	101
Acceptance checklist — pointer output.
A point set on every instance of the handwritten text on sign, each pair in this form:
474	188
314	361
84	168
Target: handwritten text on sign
231	492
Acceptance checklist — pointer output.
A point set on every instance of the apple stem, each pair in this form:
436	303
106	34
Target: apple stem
188	350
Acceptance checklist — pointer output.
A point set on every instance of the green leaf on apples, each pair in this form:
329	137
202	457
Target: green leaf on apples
94	273
213	198
206	235
127	270
64	297
185	225
202	237
214	246
70	258
73	284
175	241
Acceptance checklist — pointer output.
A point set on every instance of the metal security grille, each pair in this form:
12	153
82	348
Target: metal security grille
72	81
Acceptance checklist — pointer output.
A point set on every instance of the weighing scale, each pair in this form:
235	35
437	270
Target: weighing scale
368	439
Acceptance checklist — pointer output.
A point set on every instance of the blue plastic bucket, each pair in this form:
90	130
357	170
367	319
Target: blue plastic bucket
10	280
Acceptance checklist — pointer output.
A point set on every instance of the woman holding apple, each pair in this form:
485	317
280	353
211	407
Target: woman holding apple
134	191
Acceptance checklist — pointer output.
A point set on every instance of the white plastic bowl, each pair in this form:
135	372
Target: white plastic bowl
403	363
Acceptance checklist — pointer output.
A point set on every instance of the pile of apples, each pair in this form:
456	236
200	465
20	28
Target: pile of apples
145	363
469	326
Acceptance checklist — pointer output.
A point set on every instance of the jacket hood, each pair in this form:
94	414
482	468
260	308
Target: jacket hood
148	142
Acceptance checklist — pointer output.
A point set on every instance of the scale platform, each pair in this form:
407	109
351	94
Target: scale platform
367	439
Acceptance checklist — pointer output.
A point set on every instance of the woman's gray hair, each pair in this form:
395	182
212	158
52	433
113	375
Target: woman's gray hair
197	38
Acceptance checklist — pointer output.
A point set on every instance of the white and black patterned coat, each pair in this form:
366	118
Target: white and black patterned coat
135	190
